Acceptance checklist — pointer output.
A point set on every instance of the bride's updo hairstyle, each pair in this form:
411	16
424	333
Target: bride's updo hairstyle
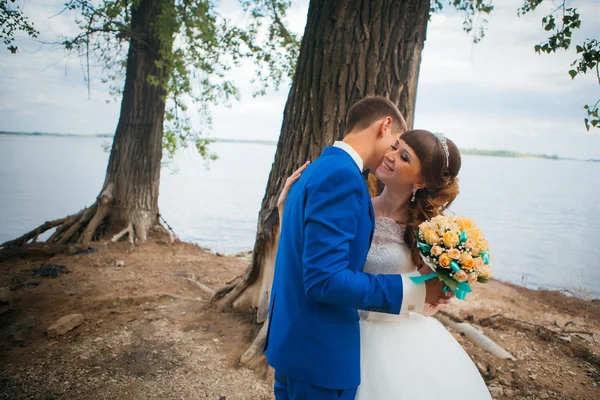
441	183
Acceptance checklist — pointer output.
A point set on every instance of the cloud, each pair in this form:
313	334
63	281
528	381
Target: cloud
499	93
496	94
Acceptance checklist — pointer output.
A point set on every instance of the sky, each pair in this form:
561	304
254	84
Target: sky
498	94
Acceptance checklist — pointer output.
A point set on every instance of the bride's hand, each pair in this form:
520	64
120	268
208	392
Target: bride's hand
286	189
435	295
429	310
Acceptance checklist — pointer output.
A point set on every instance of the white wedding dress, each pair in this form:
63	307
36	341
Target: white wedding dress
409	356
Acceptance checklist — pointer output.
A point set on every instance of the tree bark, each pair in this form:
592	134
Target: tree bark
130	191
350	49
129	196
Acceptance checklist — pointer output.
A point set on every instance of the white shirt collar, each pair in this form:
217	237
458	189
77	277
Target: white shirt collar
348	149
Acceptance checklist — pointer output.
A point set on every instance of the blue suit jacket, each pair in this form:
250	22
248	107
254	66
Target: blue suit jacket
318	286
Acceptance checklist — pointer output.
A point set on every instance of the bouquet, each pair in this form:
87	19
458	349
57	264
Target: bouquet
456	250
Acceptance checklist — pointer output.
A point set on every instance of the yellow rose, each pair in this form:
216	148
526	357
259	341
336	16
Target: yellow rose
450	239
431	238
445	260
438	219
473	233
465	223
461	276
475	252
483	245
466	261
486	272
454	227
437	251
470	243
479	264
472	277
426	226
454	253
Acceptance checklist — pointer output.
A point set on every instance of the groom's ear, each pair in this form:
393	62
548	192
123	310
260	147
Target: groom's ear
385	124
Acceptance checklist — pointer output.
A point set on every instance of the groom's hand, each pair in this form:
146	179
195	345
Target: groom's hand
434	289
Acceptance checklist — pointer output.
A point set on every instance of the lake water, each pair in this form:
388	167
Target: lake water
541	217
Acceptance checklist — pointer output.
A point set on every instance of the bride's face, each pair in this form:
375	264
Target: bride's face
400	168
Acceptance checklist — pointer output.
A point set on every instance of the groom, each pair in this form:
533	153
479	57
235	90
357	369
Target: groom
313	333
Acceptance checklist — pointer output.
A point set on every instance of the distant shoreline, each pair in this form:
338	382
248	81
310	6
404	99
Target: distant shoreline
476	152
95	135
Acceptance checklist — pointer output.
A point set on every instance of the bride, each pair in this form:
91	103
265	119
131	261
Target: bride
410	356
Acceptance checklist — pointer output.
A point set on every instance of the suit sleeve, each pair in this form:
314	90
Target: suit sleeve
332	210
413	294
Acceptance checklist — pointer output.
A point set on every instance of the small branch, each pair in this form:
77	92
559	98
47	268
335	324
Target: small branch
576	331
477	337
144	298
282	29
201	286
178	297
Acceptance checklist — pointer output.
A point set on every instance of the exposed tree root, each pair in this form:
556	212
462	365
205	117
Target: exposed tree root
35	233
34	249
253	357
128	230
78	230
251	293
71	233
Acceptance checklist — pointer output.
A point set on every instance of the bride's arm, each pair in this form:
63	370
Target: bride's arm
286	189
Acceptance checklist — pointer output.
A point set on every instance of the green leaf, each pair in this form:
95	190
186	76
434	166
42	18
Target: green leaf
196	65
444	276
482	280
573	73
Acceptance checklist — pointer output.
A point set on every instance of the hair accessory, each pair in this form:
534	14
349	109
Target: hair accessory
440	136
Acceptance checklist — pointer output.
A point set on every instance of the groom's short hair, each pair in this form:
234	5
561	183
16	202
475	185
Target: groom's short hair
368	110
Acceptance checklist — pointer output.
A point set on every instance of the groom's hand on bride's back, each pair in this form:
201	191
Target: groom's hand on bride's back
434	289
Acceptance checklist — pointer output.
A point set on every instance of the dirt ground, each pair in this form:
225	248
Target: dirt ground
150	333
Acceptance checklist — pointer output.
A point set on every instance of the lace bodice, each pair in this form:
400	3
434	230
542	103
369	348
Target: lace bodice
389	254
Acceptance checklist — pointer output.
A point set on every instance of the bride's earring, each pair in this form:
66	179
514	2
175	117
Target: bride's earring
414	194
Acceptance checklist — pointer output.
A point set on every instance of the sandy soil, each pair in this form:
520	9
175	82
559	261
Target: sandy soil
149	333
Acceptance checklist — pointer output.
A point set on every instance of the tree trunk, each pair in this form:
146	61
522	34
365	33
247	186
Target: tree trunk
351	49
130	190
128	201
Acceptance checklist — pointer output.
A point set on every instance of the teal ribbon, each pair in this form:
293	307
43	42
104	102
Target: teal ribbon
486	258
424	247
462	290
423	278
455	267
